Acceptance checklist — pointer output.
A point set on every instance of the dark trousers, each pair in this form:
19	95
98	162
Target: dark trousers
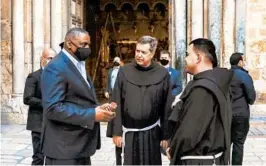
37	157
118	152
239	131
218	161
80	161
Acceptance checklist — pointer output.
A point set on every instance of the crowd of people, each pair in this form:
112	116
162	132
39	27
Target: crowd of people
149	113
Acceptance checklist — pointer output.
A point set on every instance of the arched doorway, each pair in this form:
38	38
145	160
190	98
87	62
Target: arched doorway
115	27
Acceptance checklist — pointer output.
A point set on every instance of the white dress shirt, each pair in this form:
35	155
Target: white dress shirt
80	65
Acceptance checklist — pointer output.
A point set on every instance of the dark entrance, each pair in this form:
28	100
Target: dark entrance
115	26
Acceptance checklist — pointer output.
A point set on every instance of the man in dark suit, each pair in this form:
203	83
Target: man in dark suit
175	75
33	98
71	132
111	78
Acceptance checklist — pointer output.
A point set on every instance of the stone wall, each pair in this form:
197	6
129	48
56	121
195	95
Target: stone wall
256	46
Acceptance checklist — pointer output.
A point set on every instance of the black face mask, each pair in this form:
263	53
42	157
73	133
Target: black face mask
83	53
164	62
116	64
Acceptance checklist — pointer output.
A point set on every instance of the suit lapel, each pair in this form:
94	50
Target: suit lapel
72	67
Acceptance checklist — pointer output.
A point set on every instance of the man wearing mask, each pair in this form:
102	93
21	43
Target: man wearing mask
175	75
33	98
243	94
71	132
112	74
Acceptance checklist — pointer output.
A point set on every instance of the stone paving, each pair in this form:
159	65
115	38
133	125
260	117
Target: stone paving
16	148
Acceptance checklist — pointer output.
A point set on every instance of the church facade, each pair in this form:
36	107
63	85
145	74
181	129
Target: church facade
27	26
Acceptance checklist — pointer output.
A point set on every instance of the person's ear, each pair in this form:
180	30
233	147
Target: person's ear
68	44
199	57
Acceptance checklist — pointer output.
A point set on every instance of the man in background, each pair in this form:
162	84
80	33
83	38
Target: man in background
33	98
111	77
175	75
243	94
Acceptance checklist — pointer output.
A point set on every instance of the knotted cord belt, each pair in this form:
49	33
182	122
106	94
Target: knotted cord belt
126	130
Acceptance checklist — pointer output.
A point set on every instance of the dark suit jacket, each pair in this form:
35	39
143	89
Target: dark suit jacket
176	81
109	80
108	85
69	130
33	98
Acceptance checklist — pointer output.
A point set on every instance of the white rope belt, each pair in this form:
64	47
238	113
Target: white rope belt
202	157
126	130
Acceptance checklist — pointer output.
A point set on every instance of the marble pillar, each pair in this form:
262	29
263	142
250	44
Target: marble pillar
56	24
38	32
197	19
65	16
180	35
47	23
171	27
28	36
240	25
189	21
18	46
228	31
215	25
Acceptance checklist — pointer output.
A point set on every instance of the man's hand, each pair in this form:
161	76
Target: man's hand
106	94
168	153
109	106
102	114
164	144
117	140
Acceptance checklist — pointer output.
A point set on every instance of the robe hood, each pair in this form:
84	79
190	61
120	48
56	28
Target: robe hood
220	76
138	75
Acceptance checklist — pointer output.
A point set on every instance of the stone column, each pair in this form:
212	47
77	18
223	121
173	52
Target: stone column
56	24
197	19
180	34
47	23
171	28
240	25
215	24
18	46
28	36
228	31
65	16
38	32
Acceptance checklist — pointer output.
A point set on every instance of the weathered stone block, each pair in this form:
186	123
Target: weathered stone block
5	30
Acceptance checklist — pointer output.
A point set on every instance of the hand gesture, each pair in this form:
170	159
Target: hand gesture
104	113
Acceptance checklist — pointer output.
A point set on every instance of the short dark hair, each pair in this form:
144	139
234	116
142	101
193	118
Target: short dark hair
165	52
235	58
206	46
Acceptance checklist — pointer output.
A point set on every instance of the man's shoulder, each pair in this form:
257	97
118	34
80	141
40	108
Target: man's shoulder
242	75
35	73
58	63
175	71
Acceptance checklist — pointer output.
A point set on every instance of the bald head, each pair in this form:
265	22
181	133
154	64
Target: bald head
117	59
47	55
